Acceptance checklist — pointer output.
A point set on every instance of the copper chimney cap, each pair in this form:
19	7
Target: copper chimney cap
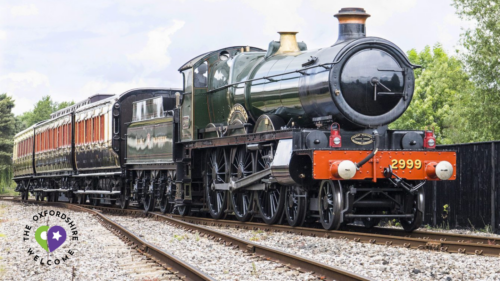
352	15
351	24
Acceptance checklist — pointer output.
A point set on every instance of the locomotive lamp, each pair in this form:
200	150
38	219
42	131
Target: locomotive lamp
442	170
343	169
429	139
335	138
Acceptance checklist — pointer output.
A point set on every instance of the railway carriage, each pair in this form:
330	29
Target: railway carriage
280	135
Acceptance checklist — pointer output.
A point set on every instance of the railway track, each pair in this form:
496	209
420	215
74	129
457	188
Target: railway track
423	240
444	242
322	271
151	257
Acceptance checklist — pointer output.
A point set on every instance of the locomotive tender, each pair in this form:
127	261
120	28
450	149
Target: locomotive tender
283	134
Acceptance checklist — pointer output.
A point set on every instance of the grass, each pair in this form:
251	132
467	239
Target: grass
2	211
179	237
393	222
8	190
258	235
254	269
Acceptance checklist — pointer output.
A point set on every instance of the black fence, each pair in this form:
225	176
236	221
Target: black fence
473	200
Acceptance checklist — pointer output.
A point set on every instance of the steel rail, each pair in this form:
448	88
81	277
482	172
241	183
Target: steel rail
321	270
167	260
429	235
422	240
444	242
302	264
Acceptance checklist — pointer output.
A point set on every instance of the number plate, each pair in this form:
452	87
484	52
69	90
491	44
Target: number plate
406	164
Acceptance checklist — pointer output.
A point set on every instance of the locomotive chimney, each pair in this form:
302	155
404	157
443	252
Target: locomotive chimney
288	42
351	23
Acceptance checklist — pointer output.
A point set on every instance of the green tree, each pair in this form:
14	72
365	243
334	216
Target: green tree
439	84
41	112
7	130
482	60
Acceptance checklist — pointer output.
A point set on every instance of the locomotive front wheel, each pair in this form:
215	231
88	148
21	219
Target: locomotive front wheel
123	200
149	202
243	165
415	205
295	205
331	203
217	170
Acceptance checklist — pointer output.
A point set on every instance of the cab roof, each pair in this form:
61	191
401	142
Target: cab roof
203	56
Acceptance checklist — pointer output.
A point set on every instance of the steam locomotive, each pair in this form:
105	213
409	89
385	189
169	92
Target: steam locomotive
280	135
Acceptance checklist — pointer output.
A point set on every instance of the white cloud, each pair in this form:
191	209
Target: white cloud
26	88
154	56
279	15
105	87
32	78
24	10
3	34
22	104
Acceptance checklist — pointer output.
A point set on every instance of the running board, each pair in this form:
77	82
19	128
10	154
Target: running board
50	190
244	182
401	216
96	192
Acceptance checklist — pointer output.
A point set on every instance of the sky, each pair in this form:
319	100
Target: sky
74	49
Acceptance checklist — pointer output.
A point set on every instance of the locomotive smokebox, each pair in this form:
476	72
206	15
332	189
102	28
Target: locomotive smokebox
351	23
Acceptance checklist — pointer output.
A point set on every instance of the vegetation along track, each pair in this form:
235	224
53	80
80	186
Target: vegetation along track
321	270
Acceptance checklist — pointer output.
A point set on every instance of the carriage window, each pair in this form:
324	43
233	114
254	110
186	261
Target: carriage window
101	128
147	109
200	76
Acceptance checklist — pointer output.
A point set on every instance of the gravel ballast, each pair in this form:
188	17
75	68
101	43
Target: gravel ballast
97	252
376	261
219	261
